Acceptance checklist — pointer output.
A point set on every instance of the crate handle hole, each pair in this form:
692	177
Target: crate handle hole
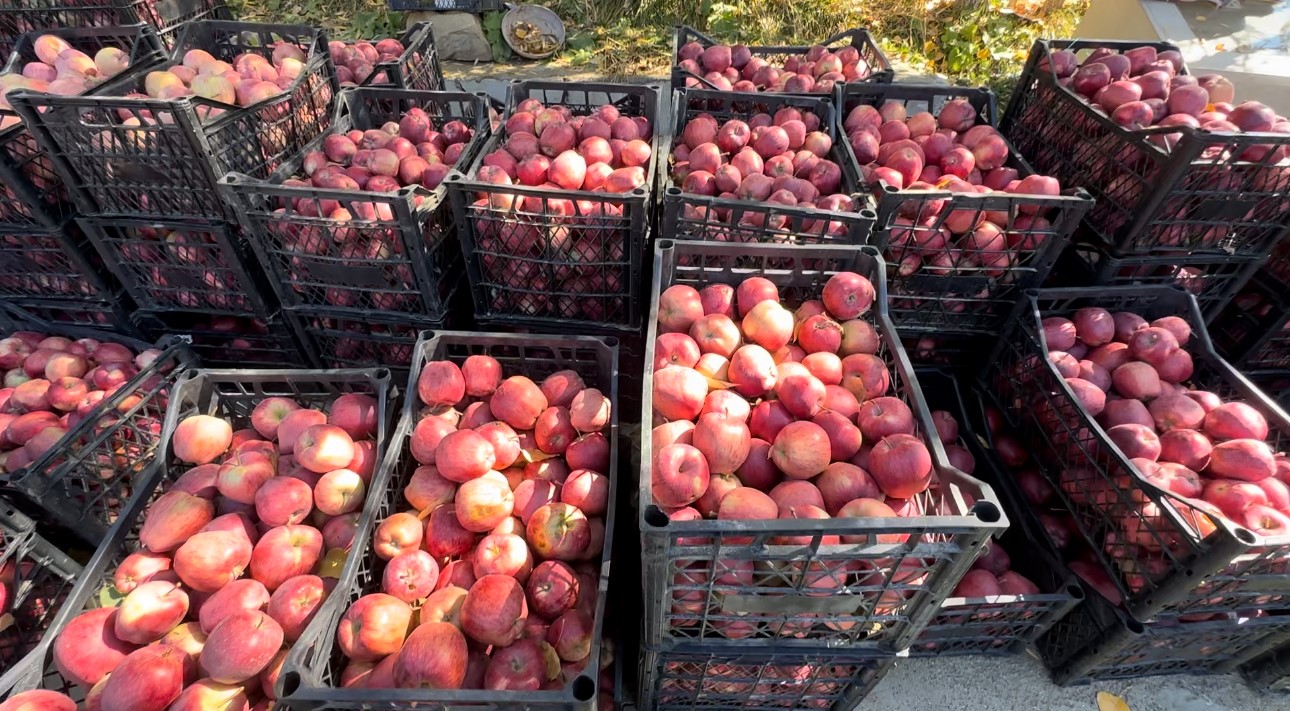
986	511
584	688
655	517
1245	536
290	683
1075	591
1134	626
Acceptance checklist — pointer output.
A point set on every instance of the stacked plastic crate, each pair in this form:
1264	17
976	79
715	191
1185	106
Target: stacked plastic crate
1185	206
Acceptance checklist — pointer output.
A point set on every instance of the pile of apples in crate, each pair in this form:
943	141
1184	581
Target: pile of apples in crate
1142	87
511	498
780	160
823	439
1127	373
234	560
734	68
62	70
50	384
355	62
412	151
550	147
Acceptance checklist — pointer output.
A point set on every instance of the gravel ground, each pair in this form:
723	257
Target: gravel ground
1021	684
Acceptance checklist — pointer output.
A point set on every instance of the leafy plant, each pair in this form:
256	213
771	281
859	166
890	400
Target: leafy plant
492	22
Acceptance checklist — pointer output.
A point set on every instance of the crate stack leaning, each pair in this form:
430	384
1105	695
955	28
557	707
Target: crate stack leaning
1177	202
958	256
141	162
83	418
47	264
360	270
820	609
173	521
1182	553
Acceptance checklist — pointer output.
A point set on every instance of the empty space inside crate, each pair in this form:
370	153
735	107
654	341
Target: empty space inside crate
227	340
1253	331
56	262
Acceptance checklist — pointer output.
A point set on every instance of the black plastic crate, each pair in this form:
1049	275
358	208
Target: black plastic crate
1216	193
111	314
690	216
477	7
348	342
259	341
55	262
1003	625
83	482
34	192
1213	279
314	665
37	577
812	594
416	69
168	167
699	678
880	71
936	284
1253	331
1269	673
1097	642
1157	548
398	254
192	266
575	258
165	17
229	394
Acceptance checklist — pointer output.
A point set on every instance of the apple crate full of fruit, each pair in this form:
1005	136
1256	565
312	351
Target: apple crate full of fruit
35	579
81	416
764	168
701	62
1172	462
410	62
1099	642
555	212
234	96
227	551
1213	278
193	266
1019	587
964	222
794	512
358	222
96	61
1174	162
695	677
495	522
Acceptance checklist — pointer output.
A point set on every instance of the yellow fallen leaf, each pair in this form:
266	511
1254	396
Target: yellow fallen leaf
1220	47
714	384
534	455
1107	701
